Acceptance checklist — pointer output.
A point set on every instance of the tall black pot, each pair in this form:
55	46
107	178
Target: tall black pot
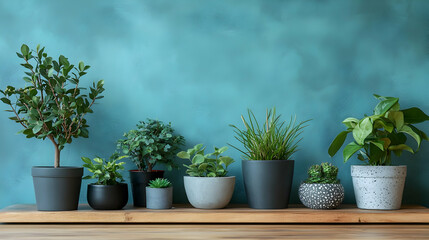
57	189
107	197
268	183
139	181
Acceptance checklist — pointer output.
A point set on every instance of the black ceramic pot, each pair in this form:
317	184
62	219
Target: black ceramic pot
57	189
139	181
107	197
268	182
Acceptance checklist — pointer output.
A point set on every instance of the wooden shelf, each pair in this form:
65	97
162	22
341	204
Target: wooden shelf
232	214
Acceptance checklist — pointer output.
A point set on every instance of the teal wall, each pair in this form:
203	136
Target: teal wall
201	64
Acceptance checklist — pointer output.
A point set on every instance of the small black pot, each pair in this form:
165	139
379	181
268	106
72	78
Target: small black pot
107	197
57	189
139	181
268	182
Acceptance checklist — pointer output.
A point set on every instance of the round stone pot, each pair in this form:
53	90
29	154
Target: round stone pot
107	197
268	182
139	181
378	187
159	198
321	195
209	192
57	189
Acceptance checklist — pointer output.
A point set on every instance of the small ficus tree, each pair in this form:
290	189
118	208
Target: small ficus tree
52	104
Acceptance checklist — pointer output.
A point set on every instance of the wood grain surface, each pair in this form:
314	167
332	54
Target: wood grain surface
233	214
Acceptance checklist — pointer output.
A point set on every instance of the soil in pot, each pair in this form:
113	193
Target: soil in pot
139	181
57	189
107	197
268	183
321	195
159	198
209	192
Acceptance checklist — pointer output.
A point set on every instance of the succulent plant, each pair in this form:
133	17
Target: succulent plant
323	173
160	183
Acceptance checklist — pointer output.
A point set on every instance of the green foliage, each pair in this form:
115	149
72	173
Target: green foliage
151	143
160	183
206	165
52	104
324	173
106	172
376	136
275	140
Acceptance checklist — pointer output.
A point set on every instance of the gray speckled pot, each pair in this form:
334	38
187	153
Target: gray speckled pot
209	192
321	195
378	187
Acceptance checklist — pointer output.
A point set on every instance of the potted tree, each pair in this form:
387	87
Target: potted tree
378	184
151	143
322	189
159	194
207	185
267	165
109	192
53	106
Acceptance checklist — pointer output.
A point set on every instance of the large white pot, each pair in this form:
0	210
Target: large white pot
378	187
209	192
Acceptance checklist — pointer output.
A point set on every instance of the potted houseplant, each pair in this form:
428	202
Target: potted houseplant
159	194
267	165
151	143
378	184
53	105
207	185
109	192
322	189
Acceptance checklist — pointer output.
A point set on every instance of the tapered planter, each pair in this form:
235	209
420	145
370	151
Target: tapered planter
139	181
321	195
159	198
378	187
209	192
107	197
268	182
57	189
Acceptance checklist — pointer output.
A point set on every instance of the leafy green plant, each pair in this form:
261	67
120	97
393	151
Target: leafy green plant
206	165
160	183
376	136
151	143
274	140
52	104
106	172
323	173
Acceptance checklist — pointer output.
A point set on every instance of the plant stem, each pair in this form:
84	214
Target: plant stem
57	152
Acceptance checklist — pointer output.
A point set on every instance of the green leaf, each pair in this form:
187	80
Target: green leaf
362	130
98	160
337	143
226	160
406	129
81	66
414	115
197	159
25	50
38	127
86	160
350	149
183	155
351	122
5	100
401	147
379	144
63	61
385	105
397	118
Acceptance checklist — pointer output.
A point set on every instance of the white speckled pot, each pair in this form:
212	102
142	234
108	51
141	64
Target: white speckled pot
378	187
321	195
209	192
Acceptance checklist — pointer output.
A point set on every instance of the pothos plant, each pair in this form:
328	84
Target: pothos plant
52	104
206	165
106	172
151	143
386	131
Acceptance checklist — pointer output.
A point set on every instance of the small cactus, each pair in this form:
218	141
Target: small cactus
160	183
323	173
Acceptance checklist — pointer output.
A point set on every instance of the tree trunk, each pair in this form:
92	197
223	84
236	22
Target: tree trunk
57	152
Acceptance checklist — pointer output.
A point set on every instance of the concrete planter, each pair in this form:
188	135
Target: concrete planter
159	198
57	189
139	181
209	192
378	187
321	195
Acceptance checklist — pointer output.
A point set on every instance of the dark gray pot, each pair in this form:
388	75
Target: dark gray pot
159	198
321	195
57	189
268	182
107	197
139	181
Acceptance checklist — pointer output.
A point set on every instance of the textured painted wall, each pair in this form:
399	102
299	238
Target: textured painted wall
201	64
